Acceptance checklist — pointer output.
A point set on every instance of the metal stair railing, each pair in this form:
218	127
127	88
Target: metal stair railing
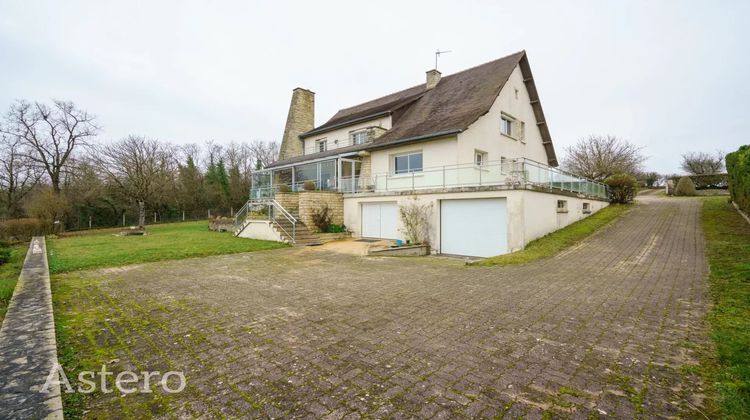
266	209
240	219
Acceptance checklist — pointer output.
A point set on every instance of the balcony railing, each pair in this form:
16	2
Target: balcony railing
514	172
510	172
331	144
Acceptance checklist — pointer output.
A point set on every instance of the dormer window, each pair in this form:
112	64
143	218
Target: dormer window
321	145
359	137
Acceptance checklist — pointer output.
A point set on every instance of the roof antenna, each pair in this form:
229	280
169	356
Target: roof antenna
437	55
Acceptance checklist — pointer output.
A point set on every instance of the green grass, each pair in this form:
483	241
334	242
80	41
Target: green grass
162	242
559	240
728	248
9	273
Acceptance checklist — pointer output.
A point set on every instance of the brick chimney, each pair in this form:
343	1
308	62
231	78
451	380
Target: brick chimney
301	119
433	77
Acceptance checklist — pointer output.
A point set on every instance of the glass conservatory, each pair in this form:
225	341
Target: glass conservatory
335	174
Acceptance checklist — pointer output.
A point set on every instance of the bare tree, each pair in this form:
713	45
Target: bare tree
264	153
17	174
50	134
598	157
138	166
701	163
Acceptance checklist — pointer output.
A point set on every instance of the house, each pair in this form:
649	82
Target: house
474	144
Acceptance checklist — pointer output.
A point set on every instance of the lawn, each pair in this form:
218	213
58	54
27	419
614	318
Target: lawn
728	248
558	240
9	273
161	242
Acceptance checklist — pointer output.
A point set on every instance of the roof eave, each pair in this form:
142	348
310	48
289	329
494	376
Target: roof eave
316	131
414	139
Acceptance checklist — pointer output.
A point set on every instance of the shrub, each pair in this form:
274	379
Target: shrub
284	188
322	218
415	217
44	204
23	229
309	185
738	168
622	188
685	187
705	182
333	228
4	255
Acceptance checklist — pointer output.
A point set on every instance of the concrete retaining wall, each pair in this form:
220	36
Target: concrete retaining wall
28	351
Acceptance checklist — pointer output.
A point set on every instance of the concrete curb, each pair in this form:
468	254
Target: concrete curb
742	213
28	349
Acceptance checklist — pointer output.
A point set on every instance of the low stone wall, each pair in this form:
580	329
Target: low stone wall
311	201
401	251
288	200
330	237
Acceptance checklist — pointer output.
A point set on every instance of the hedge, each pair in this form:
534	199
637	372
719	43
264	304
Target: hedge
738	168
22	229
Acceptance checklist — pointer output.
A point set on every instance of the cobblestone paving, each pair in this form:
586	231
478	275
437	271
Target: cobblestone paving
609	328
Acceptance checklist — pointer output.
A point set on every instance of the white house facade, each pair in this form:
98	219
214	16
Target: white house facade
474	146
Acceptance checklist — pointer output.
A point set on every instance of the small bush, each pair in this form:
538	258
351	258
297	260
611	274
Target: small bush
685	187
283	188
22	229
309	186
622	188
322	218
333	228
415	217
4	255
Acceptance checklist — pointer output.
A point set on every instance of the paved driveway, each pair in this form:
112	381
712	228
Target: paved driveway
609	328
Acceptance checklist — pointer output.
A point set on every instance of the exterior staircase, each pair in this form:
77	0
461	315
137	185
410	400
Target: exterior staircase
287	224
302	235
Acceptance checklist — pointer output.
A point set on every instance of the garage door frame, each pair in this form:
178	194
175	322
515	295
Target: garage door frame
380	205
505	228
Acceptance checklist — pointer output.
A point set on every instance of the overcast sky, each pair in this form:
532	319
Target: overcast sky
668	75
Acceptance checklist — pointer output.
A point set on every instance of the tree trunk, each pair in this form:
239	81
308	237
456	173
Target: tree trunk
141	214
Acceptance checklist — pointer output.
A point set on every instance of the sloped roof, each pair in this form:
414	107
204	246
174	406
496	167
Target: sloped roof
452	106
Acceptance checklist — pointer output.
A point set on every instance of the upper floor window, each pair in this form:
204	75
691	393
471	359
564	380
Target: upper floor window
512	127
407	163
506	126
359	137
321	145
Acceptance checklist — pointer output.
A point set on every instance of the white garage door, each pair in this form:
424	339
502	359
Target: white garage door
379	220
476	227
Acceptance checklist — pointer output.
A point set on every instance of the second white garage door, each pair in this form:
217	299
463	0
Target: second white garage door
380	220
475	227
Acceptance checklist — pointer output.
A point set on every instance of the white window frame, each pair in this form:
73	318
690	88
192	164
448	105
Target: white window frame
409	169
356	134
480	157
319	142
562	206
517	127
506	122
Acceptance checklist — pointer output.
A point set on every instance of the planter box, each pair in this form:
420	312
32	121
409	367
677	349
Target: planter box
330	237
401	251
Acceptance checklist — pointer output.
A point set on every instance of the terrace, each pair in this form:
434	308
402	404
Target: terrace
344	175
